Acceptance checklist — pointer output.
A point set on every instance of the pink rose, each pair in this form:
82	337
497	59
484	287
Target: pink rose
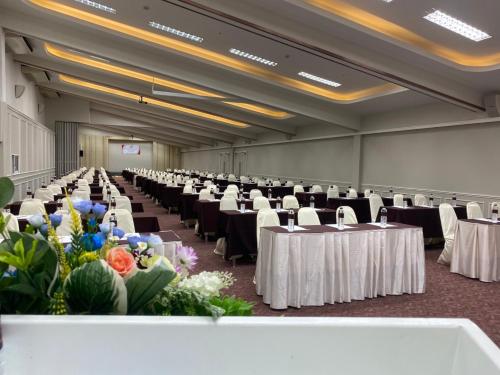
121	261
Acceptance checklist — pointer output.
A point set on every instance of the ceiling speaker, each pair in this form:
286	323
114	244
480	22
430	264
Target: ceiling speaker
19	90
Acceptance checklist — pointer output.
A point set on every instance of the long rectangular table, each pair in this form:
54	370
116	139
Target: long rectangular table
325	265
240	229
51	207
476	250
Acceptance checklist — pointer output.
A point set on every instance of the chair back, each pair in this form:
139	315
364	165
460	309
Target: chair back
232	187
266	218
32	207
448	220
398	200
420	200
12	223
332	192
254	193
44	194
298	189
352	193
289	183
349	215
260	203
244	179
316	189
308	216
290	202
55	188
188	189
81	194
124	219
64	229
261	183
276	183
368	192
375	204
82	182
123	202
230	194
206	194
474	211
228	204
84	188
61	182
231	177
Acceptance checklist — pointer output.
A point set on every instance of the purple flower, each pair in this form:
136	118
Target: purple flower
133	241
55	220
186	257
99	210
83	206
68	249
117	232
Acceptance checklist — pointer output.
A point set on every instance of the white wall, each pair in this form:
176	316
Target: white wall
119	161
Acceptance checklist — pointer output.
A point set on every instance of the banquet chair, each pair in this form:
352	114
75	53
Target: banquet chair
123	202
64	229
86	188
12	223
375	204
81	194
56	189
220	176
260	203
298	189
82	182
261	183
368	192
123	217
44	194
231	177
308	216
349	215
230	194
474	211
332	192
228	204
398	200
290	202
276	183
207	183
352	193
493	204
266	218
289	183
448	223
420	200
232	187
61	182
244	179
188	189
206	194
254	193
32	206
316	189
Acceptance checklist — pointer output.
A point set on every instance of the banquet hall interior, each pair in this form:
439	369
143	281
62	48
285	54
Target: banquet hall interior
324	158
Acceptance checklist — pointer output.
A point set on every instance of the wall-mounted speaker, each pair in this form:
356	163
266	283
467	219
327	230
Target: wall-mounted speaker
81	153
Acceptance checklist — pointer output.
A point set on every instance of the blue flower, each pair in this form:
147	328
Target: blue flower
104	228
99	210
68	249
133	241
117	232
36	221
154	240
83	206
92	222
55	220
44	229
92	242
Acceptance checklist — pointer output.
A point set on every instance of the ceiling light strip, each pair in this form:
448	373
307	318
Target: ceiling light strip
319	79
156	102
173	31
459	27
249	56
93	4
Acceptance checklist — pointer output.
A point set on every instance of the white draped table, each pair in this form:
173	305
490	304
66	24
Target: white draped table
476	250
325	265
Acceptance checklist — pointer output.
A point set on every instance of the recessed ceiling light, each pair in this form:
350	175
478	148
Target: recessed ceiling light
387	1
93	4
249	56
171	30
451	23
319	79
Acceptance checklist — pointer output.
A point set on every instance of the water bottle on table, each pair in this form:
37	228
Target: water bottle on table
278	204
269	193
341	218
431	200
454	200
311	201
291	220
242	204
494	213
383	217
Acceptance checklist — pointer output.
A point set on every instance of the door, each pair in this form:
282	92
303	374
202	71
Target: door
240	163
224	162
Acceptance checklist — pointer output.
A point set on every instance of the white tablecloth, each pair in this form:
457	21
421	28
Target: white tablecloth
311	269
476	250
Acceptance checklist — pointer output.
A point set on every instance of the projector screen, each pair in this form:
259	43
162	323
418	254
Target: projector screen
131	149
119	158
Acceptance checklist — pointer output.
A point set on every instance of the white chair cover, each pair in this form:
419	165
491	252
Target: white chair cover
82	182
493	204
32	207
123	202
375	204
254	193
352	193
398	200
449	224
290	201
124	219
228	204
207	183
266	218
420	200
276	183
188	189
230	194
308	216
367	193
289	183
12	224
44	194
231	177
86	188
81	194
206	194
261	183
244	179
332	192
260	203
349	215
316	189
474	211
232	187
64	229
55	188
298	189
61	182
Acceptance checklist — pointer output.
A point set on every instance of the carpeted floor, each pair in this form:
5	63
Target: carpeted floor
447	294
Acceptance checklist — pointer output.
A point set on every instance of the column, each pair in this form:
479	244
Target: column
356	162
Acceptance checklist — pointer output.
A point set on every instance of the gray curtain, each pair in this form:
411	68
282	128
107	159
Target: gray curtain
67	149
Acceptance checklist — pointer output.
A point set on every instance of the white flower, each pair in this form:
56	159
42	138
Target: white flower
208	284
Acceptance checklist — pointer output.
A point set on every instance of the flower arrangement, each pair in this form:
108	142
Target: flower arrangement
100	272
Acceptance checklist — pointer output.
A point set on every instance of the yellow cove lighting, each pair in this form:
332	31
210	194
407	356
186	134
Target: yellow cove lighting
394	31
115	69
221	59
159	103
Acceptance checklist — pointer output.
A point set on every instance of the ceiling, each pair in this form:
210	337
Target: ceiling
211	96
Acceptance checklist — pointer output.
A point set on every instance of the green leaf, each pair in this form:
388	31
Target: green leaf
95	288
233	306
23	289
6	191
144	285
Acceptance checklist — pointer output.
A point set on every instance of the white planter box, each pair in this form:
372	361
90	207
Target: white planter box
238	346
